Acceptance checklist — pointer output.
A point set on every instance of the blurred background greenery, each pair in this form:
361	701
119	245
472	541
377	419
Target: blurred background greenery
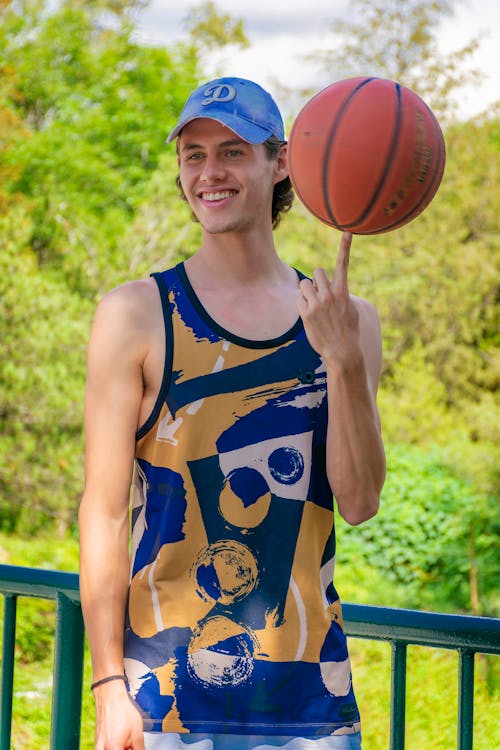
88	201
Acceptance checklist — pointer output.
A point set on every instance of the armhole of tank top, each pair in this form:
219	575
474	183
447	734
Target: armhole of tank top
169	353
300	274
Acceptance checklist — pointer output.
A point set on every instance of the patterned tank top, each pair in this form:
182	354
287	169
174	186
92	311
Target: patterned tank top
233	623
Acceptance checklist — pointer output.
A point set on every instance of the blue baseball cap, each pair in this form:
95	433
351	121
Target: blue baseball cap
241	105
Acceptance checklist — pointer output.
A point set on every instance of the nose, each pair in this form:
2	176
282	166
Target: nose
213	169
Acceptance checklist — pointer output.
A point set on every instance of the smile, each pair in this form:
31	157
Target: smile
218	196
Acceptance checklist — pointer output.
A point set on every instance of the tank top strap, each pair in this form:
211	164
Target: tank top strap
164	282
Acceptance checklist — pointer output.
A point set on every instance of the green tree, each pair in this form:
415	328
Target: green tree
84	112
397	39
211	36
81	142
42	330
96	137
209	29
163	232
434	535
12	131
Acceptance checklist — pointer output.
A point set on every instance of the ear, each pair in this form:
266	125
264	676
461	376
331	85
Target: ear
281	165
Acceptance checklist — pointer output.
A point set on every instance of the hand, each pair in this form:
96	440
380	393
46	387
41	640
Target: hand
330	316
119	724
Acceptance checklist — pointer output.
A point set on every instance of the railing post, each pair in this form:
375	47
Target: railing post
8	649
68	668
465	699
398	695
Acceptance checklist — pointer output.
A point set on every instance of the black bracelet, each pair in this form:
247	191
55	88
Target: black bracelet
108	679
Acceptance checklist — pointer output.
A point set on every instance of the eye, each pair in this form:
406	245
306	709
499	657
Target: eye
234	153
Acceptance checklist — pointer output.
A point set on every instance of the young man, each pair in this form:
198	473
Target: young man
244	394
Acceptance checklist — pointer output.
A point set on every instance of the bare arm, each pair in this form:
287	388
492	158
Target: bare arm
345	331
112	402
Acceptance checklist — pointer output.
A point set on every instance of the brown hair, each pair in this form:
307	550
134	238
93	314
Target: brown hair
283	191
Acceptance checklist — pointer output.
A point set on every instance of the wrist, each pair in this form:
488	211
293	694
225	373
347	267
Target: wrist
110	692
106	680
349	366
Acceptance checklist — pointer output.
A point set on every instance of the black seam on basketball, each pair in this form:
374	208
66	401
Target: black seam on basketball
331	136
421	204
295	188
388	161
291	171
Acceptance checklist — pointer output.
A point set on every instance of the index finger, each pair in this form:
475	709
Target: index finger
339	281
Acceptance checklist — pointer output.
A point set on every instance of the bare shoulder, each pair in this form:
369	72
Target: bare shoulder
128	307
134	299
369	321
124	318
366	309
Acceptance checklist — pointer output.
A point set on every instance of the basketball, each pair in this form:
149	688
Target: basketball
366	155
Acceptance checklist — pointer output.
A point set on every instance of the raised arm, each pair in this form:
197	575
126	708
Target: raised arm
345	331
114	392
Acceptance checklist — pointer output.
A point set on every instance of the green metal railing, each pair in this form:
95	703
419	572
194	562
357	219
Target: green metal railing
68	655
400	627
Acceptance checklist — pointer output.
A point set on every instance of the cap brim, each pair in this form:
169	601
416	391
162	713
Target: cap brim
246	130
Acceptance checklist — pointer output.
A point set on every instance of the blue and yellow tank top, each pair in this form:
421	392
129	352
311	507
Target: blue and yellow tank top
233	623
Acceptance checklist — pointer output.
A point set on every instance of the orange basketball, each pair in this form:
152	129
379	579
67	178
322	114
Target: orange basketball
366	155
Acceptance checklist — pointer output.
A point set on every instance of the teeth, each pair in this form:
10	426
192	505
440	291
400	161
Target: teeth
217	196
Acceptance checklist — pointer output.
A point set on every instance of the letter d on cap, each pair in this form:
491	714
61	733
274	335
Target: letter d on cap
220	93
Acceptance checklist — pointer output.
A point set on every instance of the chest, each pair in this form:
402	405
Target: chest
252	315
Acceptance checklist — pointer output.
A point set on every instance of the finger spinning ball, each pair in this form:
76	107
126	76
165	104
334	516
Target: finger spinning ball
366	155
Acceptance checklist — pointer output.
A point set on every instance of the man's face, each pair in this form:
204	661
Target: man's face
228	182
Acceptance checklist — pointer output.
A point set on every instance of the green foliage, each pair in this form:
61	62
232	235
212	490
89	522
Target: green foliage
209	32
434	536
12	131
79	145
163	231
35	630
98	117
211	29
413	401
43	329
396	39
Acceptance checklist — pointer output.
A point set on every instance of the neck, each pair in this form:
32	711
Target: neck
234	259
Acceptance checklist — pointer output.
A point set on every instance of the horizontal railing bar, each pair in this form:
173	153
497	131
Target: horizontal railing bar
37	582
423	628
363	621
